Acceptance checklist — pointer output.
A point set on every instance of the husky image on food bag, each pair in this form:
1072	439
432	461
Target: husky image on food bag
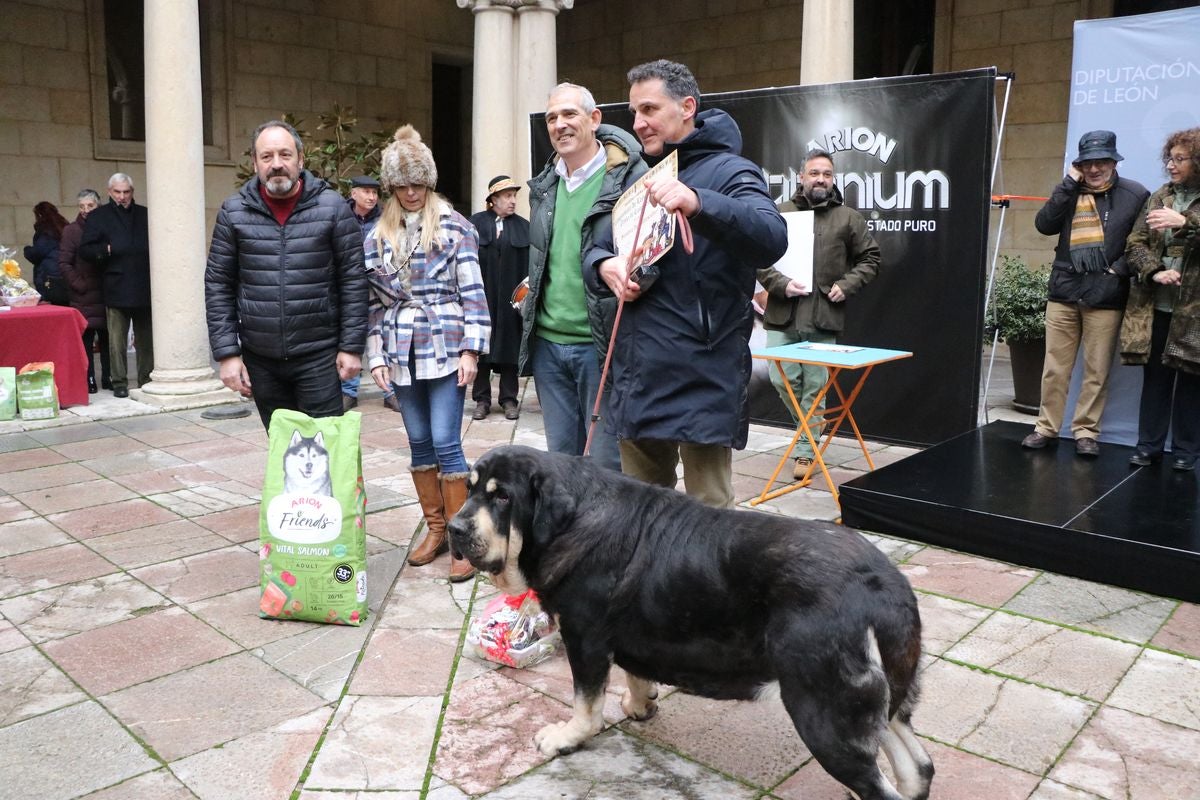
306	466
312	534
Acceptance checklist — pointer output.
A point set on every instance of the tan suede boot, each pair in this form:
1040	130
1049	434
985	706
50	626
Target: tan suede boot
454	493
429	493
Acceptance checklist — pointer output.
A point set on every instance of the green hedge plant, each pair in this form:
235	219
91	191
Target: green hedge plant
1018	307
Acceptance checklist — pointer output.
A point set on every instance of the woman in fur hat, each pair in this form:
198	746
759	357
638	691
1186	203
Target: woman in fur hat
429	324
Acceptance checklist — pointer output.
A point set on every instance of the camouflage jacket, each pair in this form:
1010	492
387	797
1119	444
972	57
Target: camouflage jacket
1144	250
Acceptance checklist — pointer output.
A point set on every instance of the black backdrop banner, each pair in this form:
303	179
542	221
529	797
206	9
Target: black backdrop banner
913	154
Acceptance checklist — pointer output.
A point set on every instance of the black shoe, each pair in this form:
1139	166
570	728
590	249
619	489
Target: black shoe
1142	457
482	409
92	384
1035	441
511	411
120	391
1183	463
105	383
1087	447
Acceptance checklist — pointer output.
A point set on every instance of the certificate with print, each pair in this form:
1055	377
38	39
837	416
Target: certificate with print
637	223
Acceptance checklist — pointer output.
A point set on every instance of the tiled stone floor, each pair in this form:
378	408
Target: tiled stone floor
133	663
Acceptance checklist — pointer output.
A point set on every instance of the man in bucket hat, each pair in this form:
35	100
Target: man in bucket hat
1092	211
504	262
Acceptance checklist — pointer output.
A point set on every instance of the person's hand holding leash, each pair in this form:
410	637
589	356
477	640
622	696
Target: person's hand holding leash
673	196
615	274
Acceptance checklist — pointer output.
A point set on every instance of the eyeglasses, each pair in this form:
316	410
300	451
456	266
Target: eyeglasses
1178	161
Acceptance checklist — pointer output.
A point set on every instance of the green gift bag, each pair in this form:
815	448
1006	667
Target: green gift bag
312	522
8	393
37	396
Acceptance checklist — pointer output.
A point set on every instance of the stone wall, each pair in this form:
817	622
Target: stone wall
303	56
728	44
747	44
276	56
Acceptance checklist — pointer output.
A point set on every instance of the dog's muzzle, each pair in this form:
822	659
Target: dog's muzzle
466	543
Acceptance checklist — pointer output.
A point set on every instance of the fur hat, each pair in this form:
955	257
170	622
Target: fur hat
407	161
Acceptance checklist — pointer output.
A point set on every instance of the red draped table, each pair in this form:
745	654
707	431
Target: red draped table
48	333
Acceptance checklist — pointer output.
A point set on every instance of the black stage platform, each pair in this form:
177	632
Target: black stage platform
1097	519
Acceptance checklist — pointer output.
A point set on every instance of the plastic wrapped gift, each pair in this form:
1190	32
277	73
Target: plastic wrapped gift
14	290
513	630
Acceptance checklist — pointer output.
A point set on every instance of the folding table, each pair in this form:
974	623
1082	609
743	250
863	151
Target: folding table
837	358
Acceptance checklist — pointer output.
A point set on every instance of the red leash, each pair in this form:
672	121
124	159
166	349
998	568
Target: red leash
685	237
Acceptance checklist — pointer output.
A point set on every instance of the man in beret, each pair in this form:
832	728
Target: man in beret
504	262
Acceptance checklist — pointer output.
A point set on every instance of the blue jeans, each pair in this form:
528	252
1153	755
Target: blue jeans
350	387
432	412
566	377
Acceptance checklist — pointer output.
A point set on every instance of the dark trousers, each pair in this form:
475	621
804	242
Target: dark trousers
1170	399
308	384
90	336
119	320
481	390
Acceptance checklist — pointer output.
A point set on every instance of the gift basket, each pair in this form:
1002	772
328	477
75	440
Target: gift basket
513	630
14	291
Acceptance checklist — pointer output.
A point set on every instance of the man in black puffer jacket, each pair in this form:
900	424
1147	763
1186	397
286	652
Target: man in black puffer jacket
285	288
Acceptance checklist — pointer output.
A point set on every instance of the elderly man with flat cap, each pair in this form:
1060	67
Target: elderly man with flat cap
1092	212
504	262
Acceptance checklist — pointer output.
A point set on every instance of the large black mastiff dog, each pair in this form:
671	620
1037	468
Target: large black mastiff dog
721	603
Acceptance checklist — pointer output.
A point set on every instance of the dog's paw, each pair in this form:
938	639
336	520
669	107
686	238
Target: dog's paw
558	739
639	708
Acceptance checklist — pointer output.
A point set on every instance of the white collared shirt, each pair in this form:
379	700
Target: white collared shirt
577	178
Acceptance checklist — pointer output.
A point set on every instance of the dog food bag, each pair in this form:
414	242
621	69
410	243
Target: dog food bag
37	396
8	393
312	552
513	630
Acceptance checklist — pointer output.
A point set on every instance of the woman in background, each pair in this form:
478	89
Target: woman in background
1161	328
86	290
48	227
429	324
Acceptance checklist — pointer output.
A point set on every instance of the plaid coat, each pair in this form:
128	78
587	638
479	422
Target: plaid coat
442	310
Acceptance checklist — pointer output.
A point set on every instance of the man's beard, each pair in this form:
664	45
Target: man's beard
816	194
280	185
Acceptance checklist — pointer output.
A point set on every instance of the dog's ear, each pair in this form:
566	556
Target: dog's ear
319	439
553	503
295	438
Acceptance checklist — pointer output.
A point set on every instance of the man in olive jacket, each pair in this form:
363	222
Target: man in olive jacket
845	259
285	287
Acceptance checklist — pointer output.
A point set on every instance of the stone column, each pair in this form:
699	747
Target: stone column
182	375
492	148
537	74
827	42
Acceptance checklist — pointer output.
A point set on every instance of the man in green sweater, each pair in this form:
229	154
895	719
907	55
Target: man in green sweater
566	325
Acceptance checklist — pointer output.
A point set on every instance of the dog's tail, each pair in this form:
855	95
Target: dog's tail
910	762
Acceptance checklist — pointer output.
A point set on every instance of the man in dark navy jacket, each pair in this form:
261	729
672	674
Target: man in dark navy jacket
285	288
681	362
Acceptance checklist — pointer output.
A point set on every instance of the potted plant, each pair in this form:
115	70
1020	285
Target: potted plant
1018	313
